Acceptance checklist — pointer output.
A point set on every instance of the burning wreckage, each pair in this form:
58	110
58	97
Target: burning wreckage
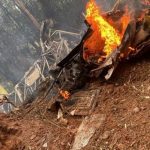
111	38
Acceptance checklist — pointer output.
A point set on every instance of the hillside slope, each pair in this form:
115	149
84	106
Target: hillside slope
124	100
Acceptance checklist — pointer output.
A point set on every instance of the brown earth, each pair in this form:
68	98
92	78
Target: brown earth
125	100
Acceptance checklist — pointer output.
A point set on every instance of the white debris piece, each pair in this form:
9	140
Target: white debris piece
87	129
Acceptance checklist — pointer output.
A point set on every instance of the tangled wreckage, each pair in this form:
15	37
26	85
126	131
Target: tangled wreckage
111	37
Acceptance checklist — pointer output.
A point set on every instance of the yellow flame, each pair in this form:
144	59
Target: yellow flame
107	32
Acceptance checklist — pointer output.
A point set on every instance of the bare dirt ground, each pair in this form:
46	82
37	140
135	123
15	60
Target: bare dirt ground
125	100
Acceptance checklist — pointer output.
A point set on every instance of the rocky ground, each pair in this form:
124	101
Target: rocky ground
123	104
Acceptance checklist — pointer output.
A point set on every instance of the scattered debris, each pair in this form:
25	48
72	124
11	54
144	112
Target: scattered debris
147	97
45	145
105	135
60	114
32	137
136	110
96	56
81	103
4	99
63	121
120	146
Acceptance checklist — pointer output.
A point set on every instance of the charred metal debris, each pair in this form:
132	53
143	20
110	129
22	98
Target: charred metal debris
73	72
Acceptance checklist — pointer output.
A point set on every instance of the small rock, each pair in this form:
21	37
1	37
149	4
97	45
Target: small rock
143	108
45	145
73	112
16	109
120	146
62	143
60	114
147	97
30	148
136	109
63	121
106	143
105	135
125	126
116	84
32	137
68	144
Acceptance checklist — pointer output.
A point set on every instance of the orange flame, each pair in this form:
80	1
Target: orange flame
125	20
104	37
65	94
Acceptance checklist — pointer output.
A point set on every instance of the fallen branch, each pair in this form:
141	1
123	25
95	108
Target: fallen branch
27	12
